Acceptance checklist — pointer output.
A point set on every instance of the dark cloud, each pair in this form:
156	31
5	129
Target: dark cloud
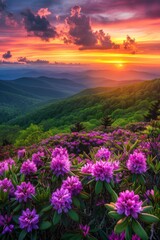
38	26
8	62
105	41
81	33
103	6
7	19
7	55
153	13
38	61
130	44
80	30
2	5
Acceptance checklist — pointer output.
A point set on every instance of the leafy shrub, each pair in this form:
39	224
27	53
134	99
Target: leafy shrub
68	187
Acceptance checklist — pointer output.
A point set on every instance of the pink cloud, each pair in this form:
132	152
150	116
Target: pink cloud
43	12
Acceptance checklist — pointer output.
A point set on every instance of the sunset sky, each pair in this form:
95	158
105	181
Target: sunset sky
80	31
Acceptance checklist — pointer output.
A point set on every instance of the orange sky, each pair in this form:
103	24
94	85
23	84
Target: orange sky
23	38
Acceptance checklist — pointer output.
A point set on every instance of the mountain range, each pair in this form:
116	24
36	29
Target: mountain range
25	94
128	103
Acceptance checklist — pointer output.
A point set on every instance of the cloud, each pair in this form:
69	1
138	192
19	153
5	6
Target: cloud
38	26
7	18
8	62
130	44
105	41
103	6
7	55
26	60
2	5
80	32
43	12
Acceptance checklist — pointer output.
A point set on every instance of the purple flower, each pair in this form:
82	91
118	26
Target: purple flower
87	168
118	178
29	220
103	153
28	167
129	204
115	236
60	152
85	229
61	200
7	186
3	167
5	224
137	163
100	202
73	185
135	237
116	165
149	193
21	153
102	171
10	161
36	158
24	191
60	165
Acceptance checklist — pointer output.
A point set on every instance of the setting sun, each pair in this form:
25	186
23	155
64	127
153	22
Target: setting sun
120	65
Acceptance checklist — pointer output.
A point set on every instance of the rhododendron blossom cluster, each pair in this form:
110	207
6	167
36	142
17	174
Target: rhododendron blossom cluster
82	186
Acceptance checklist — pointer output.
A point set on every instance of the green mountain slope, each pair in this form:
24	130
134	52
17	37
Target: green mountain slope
125	104
24	94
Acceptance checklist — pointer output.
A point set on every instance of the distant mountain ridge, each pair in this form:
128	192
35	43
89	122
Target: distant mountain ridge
23	94
124	102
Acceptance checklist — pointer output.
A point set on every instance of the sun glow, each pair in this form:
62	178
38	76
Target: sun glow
120	65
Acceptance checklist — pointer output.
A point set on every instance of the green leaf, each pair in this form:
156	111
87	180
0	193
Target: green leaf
90	237
22	235
111	191
148	218
34	235
45	225
137	189
72	236
110	207
138	229
115	215
147	209
67	236
17	208
77	236
128	233
16	219
98	187
76	202
102	234
121	225
134	145
141	180
56	218
22	178
54	178
84	195
46	209
73	215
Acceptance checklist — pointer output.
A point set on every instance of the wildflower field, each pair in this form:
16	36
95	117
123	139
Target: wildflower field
77	186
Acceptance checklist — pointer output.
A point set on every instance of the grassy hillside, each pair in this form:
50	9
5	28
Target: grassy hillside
124	104
21	95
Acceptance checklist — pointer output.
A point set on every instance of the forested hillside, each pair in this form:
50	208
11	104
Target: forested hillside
124	104
25	94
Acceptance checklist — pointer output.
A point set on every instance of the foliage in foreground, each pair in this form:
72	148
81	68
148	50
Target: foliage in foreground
82	186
